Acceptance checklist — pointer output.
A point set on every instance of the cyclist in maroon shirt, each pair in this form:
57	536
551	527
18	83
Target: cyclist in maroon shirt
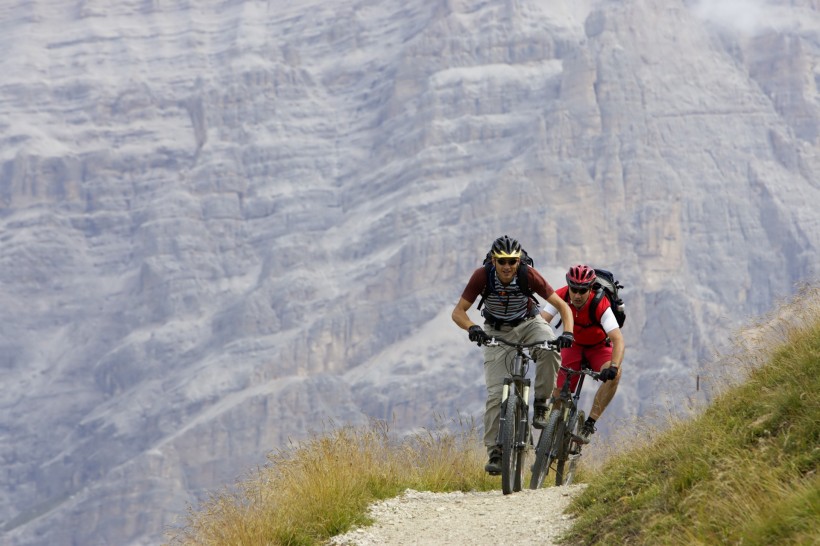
513	314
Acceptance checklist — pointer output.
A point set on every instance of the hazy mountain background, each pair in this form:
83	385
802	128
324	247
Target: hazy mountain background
226	224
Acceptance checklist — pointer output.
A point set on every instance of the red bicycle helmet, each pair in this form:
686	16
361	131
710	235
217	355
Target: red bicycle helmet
580	276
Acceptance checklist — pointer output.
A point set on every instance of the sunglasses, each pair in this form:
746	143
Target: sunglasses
506	261
580	291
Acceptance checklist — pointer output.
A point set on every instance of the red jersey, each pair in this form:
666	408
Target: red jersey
586	332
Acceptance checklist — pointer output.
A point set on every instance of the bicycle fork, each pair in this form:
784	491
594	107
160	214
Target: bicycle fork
505	391
521	430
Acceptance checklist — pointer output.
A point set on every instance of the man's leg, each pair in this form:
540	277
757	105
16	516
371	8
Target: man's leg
604	395
494	372
600	358
547	362
546	368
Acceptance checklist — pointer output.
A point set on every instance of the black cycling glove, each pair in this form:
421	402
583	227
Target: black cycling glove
608	374
478	334
564	341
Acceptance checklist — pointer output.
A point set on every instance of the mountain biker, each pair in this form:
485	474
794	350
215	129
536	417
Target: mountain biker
514	315
600	341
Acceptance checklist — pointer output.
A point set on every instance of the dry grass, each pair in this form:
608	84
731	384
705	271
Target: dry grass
323	486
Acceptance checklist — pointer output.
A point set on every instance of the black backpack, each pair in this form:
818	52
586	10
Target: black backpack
521	275
607	285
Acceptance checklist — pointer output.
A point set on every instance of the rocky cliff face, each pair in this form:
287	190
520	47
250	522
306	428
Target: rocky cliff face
225	227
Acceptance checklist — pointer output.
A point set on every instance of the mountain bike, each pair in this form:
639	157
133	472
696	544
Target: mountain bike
514	431
561	440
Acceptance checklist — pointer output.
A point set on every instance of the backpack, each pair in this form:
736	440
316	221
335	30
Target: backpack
521	275
606	285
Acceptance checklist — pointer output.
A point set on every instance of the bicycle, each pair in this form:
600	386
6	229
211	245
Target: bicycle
561	440
514	431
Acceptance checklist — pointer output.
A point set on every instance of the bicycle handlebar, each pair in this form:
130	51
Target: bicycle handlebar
586	371
548	344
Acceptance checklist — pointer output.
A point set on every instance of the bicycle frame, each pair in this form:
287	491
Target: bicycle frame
519	385
569	401
559	441
516	382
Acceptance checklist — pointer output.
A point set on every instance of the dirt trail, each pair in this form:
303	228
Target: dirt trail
487	518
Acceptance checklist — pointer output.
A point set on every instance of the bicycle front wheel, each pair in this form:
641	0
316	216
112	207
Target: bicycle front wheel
509	459
576	424
562	448
522	444
544	455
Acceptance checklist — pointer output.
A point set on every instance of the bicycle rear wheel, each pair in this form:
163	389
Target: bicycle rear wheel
509	458
544	454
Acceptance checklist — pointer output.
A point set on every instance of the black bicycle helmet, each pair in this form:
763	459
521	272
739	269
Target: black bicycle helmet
506	247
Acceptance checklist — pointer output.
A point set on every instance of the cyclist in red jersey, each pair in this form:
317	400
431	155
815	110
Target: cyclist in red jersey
599	340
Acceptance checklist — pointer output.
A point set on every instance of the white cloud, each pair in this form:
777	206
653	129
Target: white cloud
746	16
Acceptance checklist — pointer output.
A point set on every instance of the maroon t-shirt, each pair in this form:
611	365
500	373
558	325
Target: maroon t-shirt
507	302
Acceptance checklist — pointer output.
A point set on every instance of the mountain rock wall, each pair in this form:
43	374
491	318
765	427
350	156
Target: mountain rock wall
226	227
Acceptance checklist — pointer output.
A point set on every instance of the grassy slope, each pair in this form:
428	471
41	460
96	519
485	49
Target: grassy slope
743	472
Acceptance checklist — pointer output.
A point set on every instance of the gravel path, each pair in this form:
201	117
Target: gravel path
488	518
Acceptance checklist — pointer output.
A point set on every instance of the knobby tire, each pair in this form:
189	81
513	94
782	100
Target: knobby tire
508	456
560	448
521	449
543	453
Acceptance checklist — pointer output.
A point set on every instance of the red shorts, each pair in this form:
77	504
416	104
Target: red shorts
596	355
